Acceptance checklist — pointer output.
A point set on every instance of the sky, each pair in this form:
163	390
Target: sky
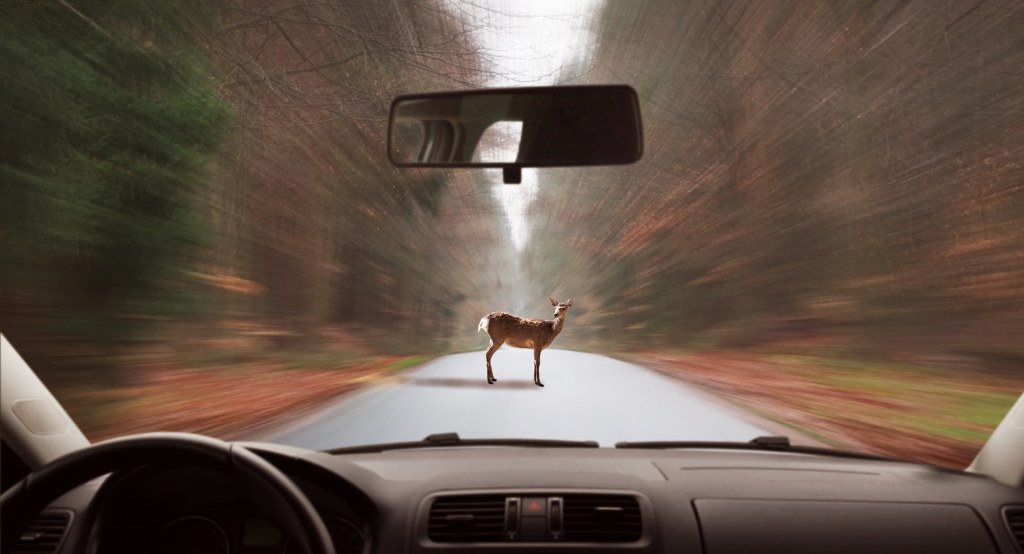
529	43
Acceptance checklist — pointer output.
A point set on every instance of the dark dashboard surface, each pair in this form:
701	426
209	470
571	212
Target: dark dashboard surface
556	499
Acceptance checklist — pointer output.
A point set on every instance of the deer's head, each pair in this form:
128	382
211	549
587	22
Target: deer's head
560	309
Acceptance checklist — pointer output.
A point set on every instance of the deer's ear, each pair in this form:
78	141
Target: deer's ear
568	302
553	301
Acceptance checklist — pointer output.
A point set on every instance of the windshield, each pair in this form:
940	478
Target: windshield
202	231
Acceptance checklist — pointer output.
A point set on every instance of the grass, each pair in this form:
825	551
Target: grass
226	396
933	401
319	359
801	429
407	362
923	412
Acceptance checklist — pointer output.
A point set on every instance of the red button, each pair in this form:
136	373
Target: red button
535	506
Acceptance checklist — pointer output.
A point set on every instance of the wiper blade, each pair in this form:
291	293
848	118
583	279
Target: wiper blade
767	443
453	439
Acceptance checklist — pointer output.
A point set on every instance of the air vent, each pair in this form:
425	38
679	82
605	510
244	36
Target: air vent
44	534
1015	520
473	518
602	518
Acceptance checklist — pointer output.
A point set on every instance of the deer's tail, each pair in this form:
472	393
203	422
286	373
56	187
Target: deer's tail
484	322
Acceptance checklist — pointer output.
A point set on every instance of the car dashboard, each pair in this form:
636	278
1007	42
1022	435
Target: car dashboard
502	499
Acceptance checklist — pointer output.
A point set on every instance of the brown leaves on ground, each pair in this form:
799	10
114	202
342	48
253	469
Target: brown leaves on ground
231	403
922	414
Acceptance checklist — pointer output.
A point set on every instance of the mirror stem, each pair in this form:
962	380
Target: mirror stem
513	174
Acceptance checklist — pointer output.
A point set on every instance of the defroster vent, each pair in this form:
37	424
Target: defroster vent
469	518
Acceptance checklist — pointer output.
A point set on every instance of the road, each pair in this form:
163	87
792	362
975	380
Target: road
586	397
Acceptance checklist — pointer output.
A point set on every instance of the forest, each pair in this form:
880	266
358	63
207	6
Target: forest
201	190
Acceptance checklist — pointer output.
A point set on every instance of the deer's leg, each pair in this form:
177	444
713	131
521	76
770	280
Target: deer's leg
536	368
490	352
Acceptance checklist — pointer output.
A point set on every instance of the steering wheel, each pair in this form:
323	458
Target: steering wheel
288	506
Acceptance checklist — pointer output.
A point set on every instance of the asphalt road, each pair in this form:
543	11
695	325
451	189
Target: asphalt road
586	397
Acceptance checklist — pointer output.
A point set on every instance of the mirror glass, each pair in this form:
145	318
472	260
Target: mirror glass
527	127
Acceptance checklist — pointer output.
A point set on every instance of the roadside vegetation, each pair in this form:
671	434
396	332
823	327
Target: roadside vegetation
939	411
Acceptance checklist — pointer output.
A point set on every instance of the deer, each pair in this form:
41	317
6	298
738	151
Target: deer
537	334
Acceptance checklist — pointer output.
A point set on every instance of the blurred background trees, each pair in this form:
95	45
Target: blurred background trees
840	173
110	125
190	170
843	175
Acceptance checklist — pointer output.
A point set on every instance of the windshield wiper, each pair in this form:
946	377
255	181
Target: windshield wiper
767	443
452	439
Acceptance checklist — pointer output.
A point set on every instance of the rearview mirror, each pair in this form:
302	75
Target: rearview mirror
517	127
